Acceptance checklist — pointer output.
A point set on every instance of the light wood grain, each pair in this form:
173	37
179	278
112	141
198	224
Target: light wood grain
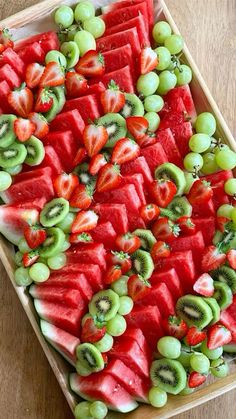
28	387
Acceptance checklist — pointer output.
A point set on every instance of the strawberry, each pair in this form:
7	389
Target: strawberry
146	140
5	40
105	358
204	285
23	128
112	99
176	327
231	258
160	250
112	274
165	230
137	126
148	60
163	191
44	100
33	74
96	163
94	138
195	336
218	335
108	177
76	84
34	235
92	330
187	225
91	64
84	221
21	100
81	156
212	258
125	150
149	212
195	379
221	222
121	259
200	192
53	75
80	238
65	184
29	258
41	125
128	242
82	197
138	287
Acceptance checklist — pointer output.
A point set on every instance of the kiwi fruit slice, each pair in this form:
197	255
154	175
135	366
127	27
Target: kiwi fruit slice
218	236
54	110
142	263
172	172
227	275
7	134
227	239
223	294
115	125
185	355
146	237
13	155
180	207
194	310
82	171
132	107
165	212
59	92
53	243
54	212
215	308
35	151
90	357
104	305
169	375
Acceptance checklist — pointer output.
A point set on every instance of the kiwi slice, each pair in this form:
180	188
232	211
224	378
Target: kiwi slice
115	125
53	243
104	305
53	111
223	294
172	172
146	237
35	151
165	212
227	239
194	310
90	357
83	174
180	207
54	212
13	155
218	236
7	134
59	92
143	264
215	308
132	107
227	275
169	375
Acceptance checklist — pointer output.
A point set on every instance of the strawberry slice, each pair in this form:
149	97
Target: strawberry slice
84	221
146	140
108	177
21	100
163	191
212	258
29	258
96	163
196	379
91	64
34	235
187	225
221	222
81	156
218	335
121	259
33	74
128	242
41	125
138	287
176	327
44	100
195	336
94	137
204	285
112	99
165	230
125	150
231	258
23	128
53	75
64	184
5	40
80	238
76	84
92	330
137	126
149	212
112	274
200	192
82	197
148	60
160	250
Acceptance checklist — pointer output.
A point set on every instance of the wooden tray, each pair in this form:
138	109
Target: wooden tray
21	25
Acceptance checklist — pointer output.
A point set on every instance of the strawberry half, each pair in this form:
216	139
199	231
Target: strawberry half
44	100
41	125
125	150
146	140
33	74
84	221
195	336
113	273
128	242
231	258
137	126
80	238
91	64
53	75
160	250
92	330
176	327
76	84
96	163
65	184
187	225
163	191
148	60
94	138
21	100
204	285
30	258
121	259
218	336
5	40
149	212
81	156
34	235
165	230
138	288
200	192
221	222
108	177
212	259
82	197
196	379
23	128
112	99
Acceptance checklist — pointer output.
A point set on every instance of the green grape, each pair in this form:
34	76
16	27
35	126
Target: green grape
116	326
5	180
199	143
169	347
120	286
96	26
209	164
23	246
57	261
153	103
164	58
211	353
22	277
126	305
233	215
230	186
85	41
15	170
226	159
174	43
183	74
18	258
153	121
39	272
67	222
98	410
219	368
157	397
71	51
185	356
64	17
225	210
82	411
205	123
86	316
221	147
193	162
190	178
105	344
148	83
70	33
167	81
84	11
57	57
200	363
161	31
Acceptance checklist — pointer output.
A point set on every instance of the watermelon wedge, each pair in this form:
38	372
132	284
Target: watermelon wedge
185	94
125	3
47	40
138	182
88	107
32	53
116	214
4	92
203	210
65	146
52	160
124	195
172	281
116	40
13	220
161	297
87	253
9	56
104	233
207	227
72	281
118	58
166	139
137	335
154	155
60	295
138	23
122	77
70	120
91	271
195	243
10	76
115	17
138	165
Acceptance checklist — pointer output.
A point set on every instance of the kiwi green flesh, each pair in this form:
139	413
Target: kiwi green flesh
54	110
7	134
116	127
226	275
223	294
59	92
143	264
83	174
90	357
104	305
35	151
172	172
132	107
169	375
13	155
53	243
194	310
180	207
146	237
54	212
215	308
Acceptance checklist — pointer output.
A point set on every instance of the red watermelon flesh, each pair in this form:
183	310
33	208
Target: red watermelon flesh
37	203
29	174
166	139
32	53
172	281
219	196
87	253
118	58
11	57
116	40
47	40
116	214
135	221
161	297
126	13
96	89
207	227
138	23
203	210
62	341
13	220
105	233
65	146
88	107
138	165
10	76
123	195
122	77
137	334
228	318
71	280
125	3
102	386
91	271
52	160
154	155
185	94
138	182
182	134
173	111
70	120
60	295
4	92
216	179
195	242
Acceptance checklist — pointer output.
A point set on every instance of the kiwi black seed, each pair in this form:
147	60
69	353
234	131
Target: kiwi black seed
227	275
7	134
35	151
143	264
53	243
172	172
115	125
82	171
169	375
180	207
194	310
223	294
54	212
215	308
132	107
90	357
13	155
146	237
104	305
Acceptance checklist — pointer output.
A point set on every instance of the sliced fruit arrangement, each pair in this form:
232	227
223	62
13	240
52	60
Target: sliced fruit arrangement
120	202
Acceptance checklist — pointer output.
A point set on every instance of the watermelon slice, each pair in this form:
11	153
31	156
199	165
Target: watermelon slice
172	281
135	221
37	203
137	181
10	76
166	139
4	92
62	341
122	77
87	106
71	280
52	160
138	23
228	318
124	195
138	165
126	13
47	40
105	233
29	174
65	146
116	214
116	40
161	297
87	253
207	227
137	334
60	295
154	155
203	210
182	134
70	120
125	3
10	57
13	220
216	179
118	58
91	271
195	242
184	93
95	89
220	197
104	387
32	53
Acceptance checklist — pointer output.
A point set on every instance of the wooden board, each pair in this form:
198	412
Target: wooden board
175	406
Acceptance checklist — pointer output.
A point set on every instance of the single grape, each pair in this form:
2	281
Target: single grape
148	83
98	410
153	103
164	58
193	162
96	26
70	33
82	411
67	222
199	143
39	272
200	363
205	123
225	210
233	215
14	170
174	43
226	159
185	356
5	180
183	74
64	17
167	81
219	368
190	178
126	305
71	51
230	186
23	246
161	31
57	261
116	326
22	277
209	164
105	344
211	353
157	397
153	121
18	258
220	147
169	347
57	57
84	11
120	286
85	41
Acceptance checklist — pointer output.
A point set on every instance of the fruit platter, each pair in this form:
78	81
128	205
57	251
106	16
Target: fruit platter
118	206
